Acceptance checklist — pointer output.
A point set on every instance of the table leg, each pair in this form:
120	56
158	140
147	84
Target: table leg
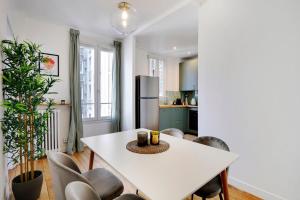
91	160
225	184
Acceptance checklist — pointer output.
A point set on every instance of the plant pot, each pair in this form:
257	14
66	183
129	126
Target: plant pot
29	190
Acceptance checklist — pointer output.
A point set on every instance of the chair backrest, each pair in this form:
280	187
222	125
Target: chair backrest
80	191
213	142
215	184
173	132
63	170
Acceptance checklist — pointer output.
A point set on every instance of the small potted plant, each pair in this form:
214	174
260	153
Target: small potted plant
23	126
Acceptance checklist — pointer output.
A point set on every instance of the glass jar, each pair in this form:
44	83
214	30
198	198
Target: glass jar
142	138
154	137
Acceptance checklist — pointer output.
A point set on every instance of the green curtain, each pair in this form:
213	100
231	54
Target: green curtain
76	129
116	104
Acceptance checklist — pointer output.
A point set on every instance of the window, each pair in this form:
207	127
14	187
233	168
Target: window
96	82
156	68
87	82
106	83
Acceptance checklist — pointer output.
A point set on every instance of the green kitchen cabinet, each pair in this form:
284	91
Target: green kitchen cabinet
173	118
188	75
164	118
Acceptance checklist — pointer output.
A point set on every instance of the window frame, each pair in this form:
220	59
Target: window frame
158	58
97	82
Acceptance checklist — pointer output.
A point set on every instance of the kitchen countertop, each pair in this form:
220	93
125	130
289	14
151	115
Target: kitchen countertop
177	106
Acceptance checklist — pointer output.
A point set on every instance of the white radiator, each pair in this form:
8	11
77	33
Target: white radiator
52	136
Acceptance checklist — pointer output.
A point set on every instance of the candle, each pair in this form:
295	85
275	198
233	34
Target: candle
142	138
154	139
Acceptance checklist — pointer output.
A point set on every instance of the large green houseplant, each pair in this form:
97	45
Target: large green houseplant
23	126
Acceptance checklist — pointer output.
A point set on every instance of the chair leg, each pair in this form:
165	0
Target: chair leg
203	198
192	196
221	196
137	192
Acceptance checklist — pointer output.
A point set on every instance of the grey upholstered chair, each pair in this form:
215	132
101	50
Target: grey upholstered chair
64	170
81	191
213	187
173	132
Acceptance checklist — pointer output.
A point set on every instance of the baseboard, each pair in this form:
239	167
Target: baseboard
253	190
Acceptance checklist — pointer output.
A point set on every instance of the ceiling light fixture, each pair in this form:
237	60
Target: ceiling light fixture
174	48
124	19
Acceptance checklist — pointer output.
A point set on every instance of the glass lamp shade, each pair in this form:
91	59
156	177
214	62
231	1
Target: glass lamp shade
124	19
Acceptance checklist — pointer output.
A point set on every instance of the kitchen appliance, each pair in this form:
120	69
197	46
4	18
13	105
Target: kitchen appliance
186	102
193	102
177	102
147	102
193	119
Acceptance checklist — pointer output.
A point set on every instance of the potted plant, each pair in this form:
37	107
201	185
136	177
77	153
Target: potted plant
23	126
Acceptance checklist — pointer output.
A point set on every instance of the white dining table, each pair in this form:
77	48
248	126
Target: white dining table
174	174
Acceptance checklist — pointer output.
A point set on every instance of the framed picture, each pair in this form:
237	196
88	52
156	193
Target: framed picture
50	64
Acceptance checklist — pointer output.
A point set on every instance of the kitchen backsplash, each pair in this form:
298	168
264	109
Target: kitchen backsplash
170	96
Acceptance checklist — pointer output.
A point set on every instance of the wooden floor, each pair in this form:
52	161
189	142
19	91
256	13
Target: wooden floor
82	159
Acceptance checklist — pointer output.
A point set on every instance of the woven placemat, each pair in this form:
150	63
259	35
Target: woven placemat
149	149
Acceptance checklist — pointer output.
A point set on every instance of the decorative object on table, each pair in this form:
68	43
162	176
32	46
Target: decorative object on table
142	138
49	64
23	127
154	137
124	18
148	149
62	102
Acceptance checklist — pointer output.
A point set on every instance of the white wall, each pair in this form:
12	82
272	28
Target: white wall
249	96
172	74
141	62
171	68
128	84
55	39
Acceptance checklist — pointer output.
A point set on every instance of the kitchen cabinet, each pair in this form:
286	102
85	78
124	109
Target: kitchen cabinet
188	75
173	118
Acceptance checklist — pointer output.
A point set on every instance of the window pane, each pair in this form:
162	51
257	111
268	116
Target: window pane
161	77
106	83
87	81
152	67
156	68
105	110
88	111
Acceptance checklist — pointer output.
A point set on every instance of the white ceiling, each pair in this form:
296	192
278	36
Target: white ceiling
178	29
170	27
90	15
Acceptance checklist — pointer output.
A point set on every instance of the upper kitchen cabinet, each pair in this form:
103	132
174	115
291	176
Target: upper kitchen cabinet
188	75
